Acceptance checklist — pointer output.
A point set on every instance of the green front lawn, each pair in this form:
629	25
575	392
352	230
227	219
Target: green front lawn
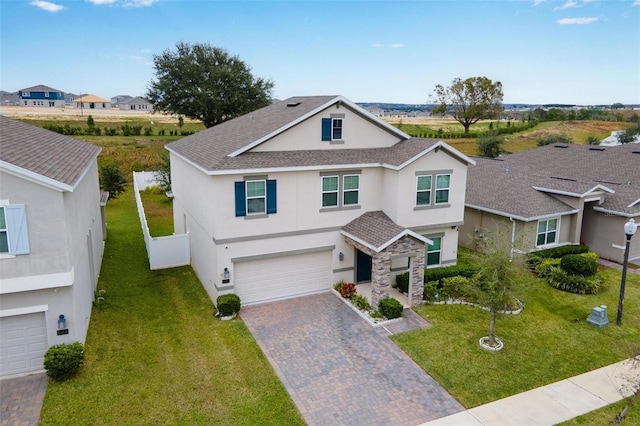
549	341
155	354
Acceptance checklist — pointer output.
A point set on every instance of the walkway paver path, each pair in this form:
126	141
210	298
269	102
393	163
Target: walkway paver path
340	370
22	399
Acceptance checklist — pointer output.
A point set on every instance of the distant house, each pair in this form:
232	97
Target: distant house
41	96
120	98
377	111
556	195
91	102
135	104
8	98
51	242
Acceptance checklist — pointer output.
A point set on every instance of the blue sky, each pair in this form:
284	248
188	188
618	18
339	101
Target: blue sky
543	51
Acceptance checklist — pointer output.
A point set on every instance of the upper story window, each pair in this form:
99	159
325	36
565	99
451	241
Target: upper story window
255	197
26	94
340	189
332	128
14	237
432	189
547	232
46	94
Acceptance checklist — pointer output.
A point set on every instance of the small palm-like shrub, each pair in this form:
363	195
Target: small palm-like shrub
360	302
347	290
390	308
228	304
544	268
63	361
561	280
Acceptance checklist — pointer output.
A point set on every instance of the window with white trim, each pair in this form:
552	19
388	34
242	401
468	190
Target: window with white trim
547	232
423	197
434	251
442	188
433	189
336	129
256	196
14	236
351	188
330	191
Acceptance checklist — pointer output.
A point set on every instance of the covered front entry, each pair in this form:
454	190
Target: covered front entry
363	267
376	236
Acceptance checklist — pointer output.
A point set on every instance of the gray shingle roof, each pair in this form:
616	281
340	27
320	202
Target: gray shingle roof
507	185
45	153
374	229
41	88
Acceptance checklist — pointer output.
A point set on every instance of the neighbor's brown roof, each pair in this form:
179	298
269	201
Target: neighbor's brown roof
520	185
91	98
43	152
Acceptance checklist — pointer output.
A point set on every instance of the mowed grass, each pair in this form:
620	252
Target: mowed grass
549	341
155	354
158	209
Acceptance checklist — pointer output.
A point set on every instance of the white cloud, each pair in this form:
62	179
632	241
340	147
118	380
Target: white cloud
390	46
568	5
538	2
48	6
577	21
101	2
636	3
382	45
396	46
139	3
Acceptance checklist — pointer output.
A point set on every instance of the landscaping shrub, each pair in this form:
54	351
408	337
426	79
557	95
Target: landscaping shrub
544	268
534	258
390	308
337	286
63	361
402	282
430	290
455	287
575	264
574	283
347	290
437	274
228	304
360	302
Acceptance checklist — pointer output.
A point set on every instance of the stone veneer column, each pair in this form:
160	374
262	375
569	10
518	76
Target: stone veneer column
417	277
380	278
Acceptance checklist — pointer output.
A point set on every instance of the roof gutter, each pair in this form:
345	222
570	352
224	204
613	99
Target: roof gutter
522	218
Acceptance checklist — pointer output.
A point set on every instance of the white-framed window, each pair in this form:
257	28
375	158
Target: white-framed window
26	94
423	193
330	191
46	94
434	252
14	236
336	129
350	189
547	232
442	188
256	196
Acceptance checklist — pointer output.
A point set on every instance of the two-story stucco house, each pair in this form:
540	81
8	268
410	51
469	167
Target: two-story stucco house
41	96
293	197
51	242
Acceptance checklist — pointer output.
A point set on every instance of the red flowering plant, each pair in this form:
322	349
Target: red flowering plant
348	290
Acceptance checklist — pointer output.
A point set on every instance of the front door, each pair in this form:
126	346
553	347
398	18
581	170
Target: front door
363	267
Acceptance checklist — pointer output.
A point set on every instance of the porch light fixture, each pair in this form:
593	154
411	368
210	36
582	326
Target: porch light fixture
226	275
630	228
62	322
341	256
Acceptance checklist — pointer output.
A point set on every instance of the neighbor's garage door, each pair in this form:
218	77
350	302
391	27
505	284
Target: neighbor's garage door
280	277
23	342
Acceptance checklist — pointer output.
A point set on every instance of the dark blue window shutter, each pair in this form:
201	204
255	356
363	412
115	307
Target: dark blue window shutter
241	199
326	129
272	200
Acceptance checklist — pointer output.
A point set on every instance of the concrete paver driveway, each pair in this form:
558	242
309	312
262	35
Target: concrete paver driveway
339	370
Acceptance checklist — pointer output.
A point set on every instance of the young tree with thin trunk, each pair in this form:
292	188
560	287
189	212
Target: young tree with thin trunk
470	100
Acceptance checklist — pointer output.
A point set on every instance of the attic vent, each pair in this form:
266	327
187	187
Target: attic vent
635	152
596	149
293	104
561	146
563	178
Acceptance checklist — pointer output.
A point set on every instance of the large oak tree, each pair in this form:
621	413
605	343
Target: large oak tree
205	83
469	100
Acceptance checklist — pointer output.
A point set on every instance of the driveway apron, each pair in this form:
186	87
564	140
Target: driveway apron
339	370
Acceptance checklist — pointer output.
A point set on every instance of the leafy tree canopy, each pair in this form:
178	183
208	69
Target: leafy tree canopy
469	100
205	83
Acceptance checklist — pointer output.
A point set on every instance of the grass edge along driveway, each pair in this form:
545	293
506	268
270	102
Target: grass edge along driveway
156	355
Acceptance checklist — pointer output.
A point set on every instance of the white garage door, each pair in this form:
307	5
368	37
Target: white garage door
23	342
281	277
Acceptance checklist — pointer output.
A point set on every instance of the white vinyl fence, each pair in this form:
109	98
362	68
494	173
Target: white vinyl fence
163	252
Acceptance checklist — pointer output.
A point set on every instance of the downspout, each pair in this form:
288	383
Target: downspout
513	238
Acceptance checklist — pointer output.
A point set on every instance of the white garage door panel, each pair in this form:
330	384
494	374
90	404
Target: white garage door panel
280	277
23	343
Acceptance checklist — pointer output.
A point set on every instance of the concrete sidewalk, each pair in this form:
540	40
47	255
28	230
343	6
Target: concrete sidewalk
554	403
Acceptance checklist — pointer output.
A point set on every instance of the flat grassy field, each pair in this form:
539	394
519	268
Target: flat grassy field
155	354
549	341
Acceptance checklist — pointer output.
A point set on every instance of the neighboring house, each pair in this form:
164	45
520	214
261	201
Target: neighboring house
9	99
51	242
120	98
293	197
135	104
91	102
41	96
554	195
